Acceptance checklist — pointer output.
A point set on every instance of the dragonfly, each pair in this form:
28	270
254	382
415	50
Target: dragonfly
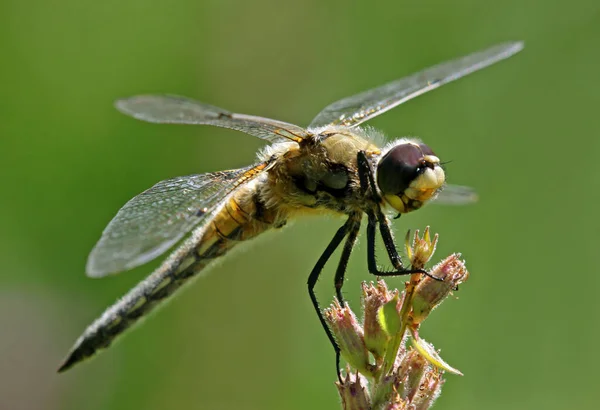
333	166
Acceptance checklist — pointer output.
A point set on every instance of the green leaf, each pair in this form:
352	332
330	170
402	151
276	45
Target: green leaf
389	317
428	352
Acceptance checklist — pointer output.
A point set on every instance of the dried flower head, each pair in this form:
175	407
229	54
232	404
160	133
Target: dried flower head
383	371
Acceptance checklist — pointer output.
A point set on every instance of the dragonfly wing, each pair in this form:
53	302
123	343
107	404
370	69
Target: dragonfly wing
354	110
456	195
152	222
170	109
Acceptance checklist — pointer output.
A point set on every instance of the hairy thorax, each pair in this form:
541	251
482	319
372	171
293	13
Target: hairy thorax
319	174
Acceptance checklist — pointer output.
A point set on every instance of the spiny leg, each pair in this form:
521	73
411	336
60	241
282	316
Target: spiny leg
314	277
367	182
345	257
390	246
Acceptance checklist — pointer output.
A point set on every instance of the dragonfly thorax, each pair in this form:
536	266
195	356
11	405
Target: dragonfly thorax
408	175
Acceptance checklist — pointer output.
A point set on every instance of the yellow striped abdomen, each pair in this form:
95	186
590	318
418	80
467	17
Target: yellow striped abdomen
242	217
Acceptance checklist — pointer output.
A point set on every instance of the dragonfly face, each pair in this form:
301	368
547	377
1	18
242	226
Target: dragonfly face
408	175
331	166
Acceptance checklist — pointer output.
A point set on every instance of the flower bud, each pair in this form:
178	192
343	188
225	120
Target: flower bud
374	297
430	293
349	336
429	391
353	392
412	370
422	249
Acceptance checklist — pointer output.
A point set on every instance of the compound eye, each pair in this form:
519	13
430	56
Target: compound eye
425	150
399	167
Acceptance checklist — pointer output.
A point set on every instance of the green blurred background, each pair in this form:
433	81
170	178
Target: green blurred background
524	133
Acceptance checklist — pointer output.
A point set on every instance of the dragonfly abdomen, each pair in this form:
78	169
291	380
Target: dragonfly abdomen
231	225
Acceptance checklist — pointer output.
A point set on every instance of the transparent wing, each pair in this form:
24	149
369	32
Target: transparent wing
170	109
359	108
152	222
456	195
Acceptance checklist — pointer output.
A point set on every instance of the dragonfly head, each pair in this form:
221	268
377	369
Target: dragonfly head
408	175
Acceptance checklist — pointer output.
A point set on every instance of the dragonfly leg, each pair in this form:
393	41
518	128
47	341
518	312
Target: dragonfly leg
375	217
390	246
345	257
349	228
